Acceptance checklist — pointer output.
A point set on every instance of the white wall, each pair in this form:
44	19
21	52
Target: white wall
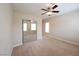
17	26
17	29
66	26
39	29
5	29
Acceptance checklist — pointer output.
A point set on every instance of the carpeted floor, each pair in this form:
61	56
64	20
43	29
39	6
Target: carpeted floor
46	47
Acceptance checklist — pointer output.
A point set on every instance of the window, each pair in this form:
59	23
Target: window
33	26
25	27
47	27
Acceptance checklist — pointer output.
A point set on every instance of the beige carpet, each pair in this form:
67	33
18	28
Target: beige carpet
46	47
30	37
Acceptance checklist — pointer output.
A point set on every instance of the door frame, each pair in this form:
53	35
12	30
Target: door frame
23	31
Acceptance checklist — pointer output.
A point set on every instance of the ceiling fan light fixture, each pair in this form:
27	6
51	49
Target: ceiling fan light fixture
49	13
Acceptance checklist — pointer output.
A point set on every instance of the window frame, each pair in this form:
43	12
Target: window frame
47	27
33	26
25	27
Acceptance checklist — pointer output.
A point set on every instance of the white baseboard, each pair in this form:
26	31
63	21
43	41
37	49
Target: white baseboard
17	45
11	51
58	38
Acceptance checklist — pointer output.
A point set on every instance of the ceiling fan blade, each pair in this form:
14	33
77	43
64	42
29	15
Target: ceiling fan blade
44	9
55	6
55	11
43	13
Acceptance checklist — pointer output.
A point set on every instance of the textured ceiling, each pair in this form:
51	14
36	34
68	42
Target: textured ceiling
35	8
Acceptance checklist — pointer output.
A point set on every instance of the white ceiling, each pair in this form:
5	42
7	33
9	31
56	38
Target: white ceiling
35	8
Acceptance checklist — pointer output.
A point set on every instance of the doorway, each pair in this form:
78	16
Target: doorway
29	31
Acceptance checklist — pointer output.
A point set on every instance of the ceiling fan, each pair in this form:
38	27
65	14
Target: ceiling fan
50	9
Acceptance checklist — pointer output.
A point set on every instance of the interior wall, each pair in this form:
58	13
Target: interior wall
5	29
66	26
43	27
17	29
39	29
